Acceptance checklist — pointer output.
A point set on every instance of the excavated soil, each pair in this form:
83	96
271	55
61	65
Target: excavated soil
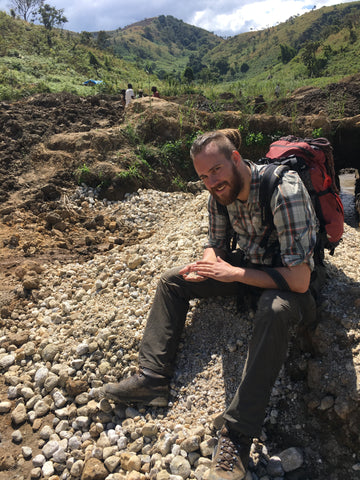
32	188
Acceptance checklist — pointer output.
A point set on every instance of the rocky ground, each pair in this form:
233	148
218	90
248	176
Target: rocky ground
77	277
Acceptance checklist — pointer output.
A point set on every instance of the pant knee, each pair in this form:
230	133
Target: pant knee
172	283
273	306
169	275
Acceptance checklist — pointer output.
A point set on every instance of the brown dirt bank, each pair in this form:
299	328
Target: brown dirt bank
44	140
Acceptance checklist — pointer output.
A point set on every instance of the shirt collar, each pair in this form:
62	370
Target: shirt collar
254	185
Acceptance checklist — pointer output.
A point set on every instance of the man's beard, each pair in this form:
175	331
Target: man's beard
236	184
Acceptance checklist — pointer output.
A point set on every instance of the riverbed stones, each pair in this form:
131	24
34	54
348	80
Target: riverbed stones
84	327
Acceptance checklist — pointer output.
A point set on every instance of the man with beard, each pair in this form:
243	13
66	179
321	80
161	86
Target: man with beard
234	184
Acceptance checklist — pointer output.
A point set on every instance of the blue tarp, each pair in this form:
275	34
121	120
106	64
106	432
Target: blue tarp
92	82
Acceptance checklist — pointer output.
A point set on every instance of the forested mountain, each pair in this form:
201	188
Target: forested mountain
322	42
162	44
316	48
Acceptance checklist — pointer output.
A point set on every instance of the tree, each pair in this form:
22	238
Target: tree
222	65
309	58
25	8
189	75
244	68
85	38
102	39
94	61
50	17
287	53
328	51
195	63
205	74
148	34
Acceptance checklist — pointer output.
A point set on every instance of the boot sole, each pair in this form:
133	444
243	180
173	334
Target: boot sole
151	402
158	402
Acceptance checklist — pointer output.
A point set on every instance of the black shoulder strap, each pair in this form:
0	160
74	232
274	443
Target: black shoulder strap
268	182
277	277
231	235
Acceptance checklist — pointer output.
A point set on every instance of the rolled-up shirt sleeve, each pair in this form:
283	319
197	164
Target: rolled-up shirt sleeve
295	221
218	225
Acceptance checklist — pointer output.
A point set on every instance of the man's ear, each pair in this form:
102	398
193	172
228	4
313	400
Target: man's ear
236	157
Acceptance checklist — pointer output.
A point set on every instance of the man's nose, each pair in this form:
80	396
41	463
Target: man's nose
212	180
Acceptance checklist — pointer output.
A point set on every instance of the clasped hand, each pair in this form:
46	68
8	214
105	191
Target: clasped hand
203	269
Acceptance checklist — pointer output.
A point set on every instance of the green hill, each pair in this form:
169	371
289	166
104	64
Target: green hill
317	48
163	44
331	33
30	63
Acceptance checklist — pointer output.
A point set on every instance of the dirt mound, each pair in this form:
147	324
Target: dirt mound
26	123
337	100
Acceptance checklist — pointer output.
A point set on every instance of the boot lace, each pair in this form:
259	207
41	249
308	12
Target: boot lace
228	454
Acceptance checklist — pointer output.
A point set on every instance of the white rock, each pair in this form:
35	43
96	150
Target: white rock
50	448
6	361
39	460
26	452
40	376
48	469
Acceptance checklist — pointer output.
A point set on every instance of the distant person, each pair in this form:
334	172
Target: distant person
129	95
277	91
140	93
155	92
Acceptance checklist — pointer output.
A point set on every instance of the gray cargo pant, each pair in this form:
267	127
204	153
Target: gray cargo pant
267	350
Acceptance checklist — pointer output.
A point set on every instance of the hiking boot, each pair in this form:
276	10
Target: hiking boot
231	456
143	388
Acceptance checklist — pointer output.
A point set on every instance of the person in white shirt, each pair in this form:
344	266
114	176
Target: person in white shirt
129	95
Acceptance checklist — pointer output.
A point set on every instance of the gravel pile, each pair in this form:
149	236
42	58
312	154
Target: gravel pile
82	327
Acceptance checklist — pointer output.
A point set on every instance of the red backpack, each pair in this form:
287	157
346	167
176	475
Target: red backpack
313	160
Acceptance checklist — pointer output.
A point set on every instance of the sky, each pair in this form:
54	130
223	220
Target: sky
222	17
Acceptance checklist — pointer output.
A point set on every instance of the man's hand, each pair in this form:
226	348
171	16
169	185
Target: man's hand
190	273
218	270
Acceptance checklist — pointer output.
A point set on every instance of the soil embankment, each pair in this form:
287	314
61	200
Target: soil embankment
77	274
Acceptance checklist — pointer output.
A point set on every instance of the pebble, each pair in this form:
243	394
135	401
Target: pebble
16	436
291	459
19	414
26	452
5	407
6	361
84	328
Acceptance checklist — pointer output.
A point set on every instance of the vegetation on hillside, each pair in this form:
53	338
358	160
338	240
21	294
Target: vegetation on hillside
30	63
161	45
317	48
320	43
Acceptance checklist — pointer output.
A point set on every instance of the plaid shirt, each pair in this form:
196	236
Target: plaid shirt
294	219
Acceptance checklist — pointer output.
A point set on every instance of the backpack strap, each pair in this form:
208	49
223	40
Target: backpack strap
277	277
270	179
268	182
231	235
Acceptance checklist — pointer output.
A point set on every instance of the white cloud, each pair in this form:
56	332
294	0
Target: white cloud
223	17
255	15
